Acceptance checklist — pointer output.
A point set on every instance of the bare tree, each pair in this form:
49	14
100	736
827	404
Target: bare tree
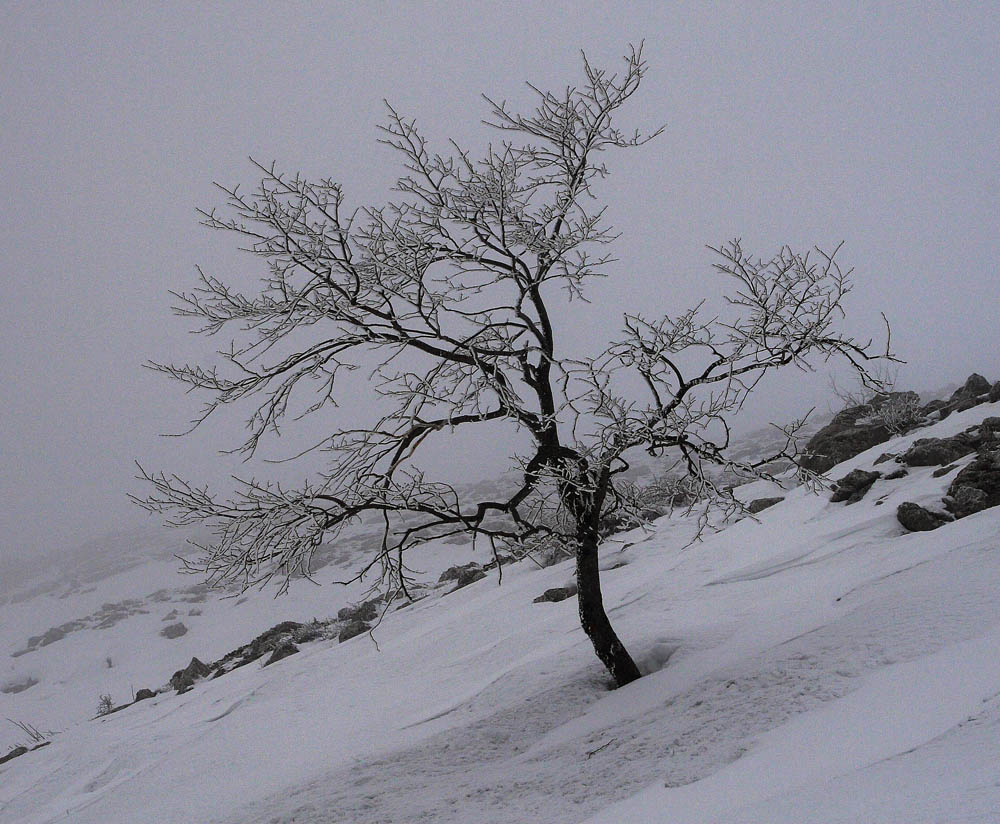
449	290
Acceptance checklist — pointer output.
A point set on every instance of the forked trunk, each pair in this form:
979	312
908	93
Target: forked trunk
594	619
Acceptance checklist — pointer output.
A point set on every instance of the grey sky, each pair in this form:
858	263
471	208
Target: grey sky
813	123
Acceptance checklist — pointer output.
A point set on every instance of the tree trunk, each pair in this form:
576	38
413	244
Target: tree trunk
594	619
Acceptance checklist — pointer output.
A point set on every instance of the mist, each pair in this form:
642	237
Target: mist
875	126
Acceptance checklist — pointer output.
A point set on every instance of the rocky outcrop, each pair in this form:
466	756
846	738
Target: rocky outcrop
456	572
14	753
989	429
555	594
174	630
351	629
974	391
144	694
367	611
853	486
468	577
977	486
283	651
938	451
184	679
917	519
761	504
975	386
852	431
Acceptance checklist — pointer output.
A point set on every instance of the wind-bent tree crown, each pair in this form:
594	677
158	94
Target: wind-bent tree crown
449	290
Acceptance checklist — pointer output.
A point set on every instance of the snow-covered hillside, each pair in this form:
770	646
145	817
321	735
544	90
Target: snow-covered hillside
819	664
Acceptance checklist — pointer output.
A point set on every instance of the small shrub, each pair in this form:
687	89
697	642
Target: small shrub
105	705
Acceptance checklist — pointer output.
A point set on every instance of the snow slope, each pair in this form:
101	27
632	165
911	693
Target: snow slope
819	664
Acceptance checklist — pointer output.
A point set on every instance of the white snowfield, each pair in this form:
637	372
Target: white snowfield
817	665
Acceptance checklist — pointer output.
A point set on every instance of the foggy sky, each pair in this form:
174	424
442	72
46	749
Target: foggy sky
872	124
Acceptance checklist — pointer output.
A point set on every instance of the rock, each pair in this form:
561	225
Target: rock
170	615
974	391
348	631
14	753
852	431
283	651
267	640
944	470
937	451
368	611
917	519
762	503
994	395
853	486
989	429
468	577
184	679
18	685
974	386
964	403
143	694
895	476
556	594
455	572
937	405
309	632
885	456
500	560
968	500
983	474
174	630
51	636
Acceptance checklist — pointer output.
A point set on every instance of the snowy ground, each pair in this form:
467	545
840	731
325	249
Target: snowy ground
817	665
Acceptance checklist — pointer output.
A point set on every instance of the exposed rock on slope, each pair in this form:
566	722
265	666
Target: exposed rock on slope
917	519
853	486
852	431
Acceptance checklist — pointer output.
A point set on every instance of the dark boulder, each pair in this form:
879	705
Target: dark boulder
937	405
470	576
938	451
455	572
184	679
852	431
174	630
853	486
994	394
941	471
282	651
367	611
989	429
917	519
501	559
268	640
761	504
14	753
895	476
974	386
143	694
352	629
309	632
977	486
50	637
967	500
556	594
